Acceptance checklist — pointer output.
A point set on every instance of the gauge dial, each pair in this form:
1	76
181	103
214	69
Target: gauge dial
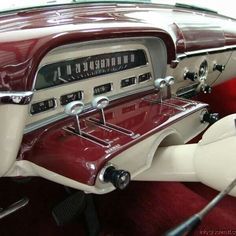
88	67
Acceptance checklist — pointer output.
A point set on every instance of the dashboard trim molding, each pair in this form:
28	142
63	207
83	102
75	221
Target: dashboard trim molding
17	98
204	52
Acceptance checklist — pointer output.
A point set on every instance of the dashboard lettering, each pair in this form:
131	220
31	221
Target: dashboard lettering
68	70
59	71
85	66
91	65
78	68
102	63
132	58
118	60
107	62
125	59
97	64
113	61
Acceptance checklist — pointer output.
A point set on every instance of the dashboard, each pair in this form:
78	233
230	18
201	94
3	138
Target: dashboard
129	71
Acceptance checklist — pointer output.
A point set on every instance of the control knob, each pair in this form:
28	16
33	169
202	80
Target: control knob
119	178
159	83
170	80
210	118
218	67
190	75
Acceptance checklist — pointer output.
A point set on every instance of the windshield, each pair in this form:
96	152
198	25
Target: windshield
221	7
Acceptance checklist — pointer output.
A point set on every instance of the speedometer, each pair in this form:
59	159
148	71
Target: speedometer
88	67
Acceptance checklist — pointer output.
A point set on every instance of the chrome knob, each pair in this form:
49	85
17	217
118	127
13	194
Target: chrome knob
74	109
169	80
100	103
159	83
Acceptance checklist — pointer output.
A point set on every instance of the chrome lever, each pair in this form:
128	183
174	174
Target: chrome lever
74	109
100	103
169	82
14	207
160	84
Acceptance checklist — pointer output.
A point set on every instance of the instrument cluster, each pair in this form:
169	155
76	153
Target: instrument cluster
87	67
81	72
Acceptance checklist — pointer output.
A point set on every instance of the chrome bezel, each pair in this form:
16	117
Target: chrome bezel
82	97
101	94
135	82
142	82
51	109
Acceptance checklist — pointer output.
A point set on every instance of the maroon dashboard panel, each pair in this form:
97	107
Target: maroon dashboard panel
57	149
198	36
19	62
27	36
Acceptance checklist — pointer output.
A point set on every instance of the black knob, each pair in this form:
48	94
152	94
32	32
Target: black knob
119	178
210	118
220	68
190	75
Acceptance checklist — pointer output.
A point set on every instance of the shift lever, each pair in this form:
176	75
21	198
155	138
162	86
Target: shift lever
100	103
186	227
74	109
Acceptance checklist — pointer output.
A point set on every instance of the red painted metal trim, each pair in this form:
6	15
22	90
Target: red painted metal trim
62	152
26	37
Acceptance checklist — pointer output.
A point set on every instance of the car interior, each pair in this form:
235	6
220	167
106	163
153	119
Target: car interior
117	118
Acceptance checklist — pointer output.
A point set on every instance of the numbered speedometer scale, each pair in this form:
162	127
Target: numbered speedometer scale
87	67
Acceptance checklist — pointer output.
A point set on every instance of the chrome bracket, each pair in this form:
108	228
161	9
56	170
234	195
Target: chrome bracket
19	98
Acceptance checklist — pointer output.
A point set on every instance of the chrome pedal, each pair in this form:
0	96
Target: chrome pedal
14	207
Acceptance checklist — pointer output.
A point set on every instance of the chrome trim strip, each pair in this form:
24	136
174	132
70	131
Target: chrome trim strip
19	98
110	126
89	137
204	51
